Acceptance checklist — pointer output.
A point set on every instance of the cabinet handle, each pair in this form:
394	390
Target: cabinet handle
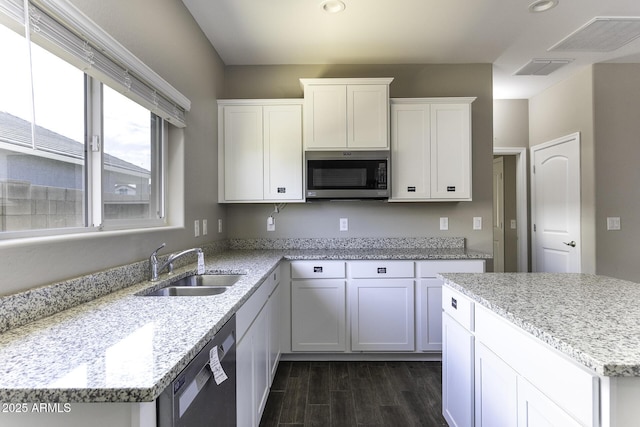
382	270
317	269
454	303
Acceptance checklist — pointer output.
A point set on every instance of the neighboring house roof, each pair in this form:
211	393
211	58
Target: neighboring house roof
16	131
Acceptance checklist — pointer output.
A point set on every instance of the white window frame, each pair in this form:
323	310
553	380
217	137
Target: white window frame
162	97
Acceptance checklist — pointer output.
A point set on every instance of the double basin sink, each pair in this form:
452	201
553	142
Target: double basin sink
197	285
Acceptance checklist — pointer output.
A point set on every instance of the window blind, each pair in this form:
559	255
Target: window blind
61	28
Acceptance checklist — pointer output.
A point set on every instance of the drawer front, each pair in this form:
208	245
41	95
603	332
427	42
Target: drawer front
432	268
317	269
381	269
459	307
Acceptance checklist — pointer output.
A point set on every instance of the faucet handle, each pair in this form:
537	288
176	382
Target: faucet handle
154	254
156	251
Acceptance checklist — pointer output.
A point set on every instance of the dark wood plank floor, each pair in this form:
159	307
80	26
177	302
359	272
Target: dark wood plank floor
335	394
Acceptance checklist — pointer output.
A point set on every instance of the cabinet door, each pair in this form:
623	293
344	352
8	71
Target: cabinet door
457	373
382	314
252	388
282	152
368	116
261	371
495	390
451	151
275	309
430	316
537	410
318	319
243	153
325	116
410	152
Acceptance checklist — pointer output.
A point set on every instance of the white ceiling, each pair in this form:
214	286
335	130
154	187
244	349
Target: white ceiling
501	32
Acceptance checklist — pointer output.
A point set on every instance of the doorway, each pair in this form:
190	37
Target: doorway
516	223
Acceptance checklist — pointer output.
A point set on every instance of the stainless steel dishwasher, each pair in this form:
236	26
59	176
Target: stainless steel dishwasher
194	398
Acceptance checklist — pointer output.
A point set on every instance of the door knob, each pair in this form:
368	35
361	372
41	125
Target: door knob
571	243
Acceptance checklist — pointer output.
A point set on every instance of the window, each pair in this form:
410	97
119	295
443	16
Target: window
82	139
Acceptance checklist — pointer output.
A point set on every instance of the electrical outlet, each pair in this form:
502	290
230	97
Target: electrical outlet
196	228
344	224
513	224
477	223
219	225
271	224
444	223
205	229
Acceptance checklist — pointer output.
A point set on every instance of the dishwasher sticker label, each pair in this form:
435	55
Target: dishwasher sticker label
218	373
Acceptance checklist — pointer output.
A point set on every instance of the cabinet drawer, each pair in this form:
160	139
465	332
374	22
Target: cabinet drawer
381	269
317	269
432	268
459	307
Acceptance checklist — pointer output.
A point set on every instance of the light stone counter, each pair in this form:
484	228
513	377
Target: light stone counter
595	320
92	339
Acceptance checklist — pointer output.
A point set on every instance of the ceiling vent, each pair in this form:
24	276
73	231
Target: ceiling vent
542	67
601	34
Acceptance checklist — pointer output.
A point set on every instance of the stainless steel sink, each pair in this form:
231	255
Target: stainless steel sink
188	291
208	280
197	285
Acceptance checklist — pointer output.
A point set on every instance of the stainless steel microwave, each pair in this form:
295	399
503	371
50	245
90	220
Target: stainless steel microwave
347	174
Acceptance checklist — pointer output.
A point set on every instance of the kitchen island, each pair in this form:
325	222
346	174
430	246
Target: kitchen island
561	347
124	349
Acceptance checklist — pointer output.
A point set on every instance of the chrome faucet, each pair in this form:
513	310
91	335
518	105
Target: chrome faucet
153	261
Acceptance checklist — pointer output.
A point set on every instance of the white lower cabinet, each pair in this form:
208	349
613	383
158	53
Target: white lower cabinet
495	390
429	298
457	362
537	410
257	350
318	315
495	374
370	306
382	317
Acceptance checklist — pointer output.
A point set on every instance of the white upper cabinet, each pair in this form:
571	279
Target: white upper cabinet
260	151
431	149
346	113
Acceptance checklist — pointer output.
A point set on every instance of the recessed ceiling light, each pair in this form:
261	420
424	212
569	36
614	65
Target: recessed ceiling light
542	5
333	6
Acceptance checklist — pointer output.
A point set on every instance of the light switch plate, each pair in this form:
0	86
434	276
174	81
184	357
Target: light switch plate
205	228
613	223
196	228
477	223
219	225
513	224
444	223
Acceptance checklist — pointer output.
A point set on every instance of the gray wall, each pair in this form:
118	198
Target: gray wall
511	123
617	160
562	110
173	46
376	218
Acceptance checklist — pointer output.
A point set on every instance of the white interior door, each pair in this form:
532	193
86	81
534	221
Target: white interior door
498	215
555	208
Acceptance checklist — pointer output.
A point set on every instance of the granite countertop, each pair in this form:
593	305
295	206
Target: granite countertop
595	320
121	347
